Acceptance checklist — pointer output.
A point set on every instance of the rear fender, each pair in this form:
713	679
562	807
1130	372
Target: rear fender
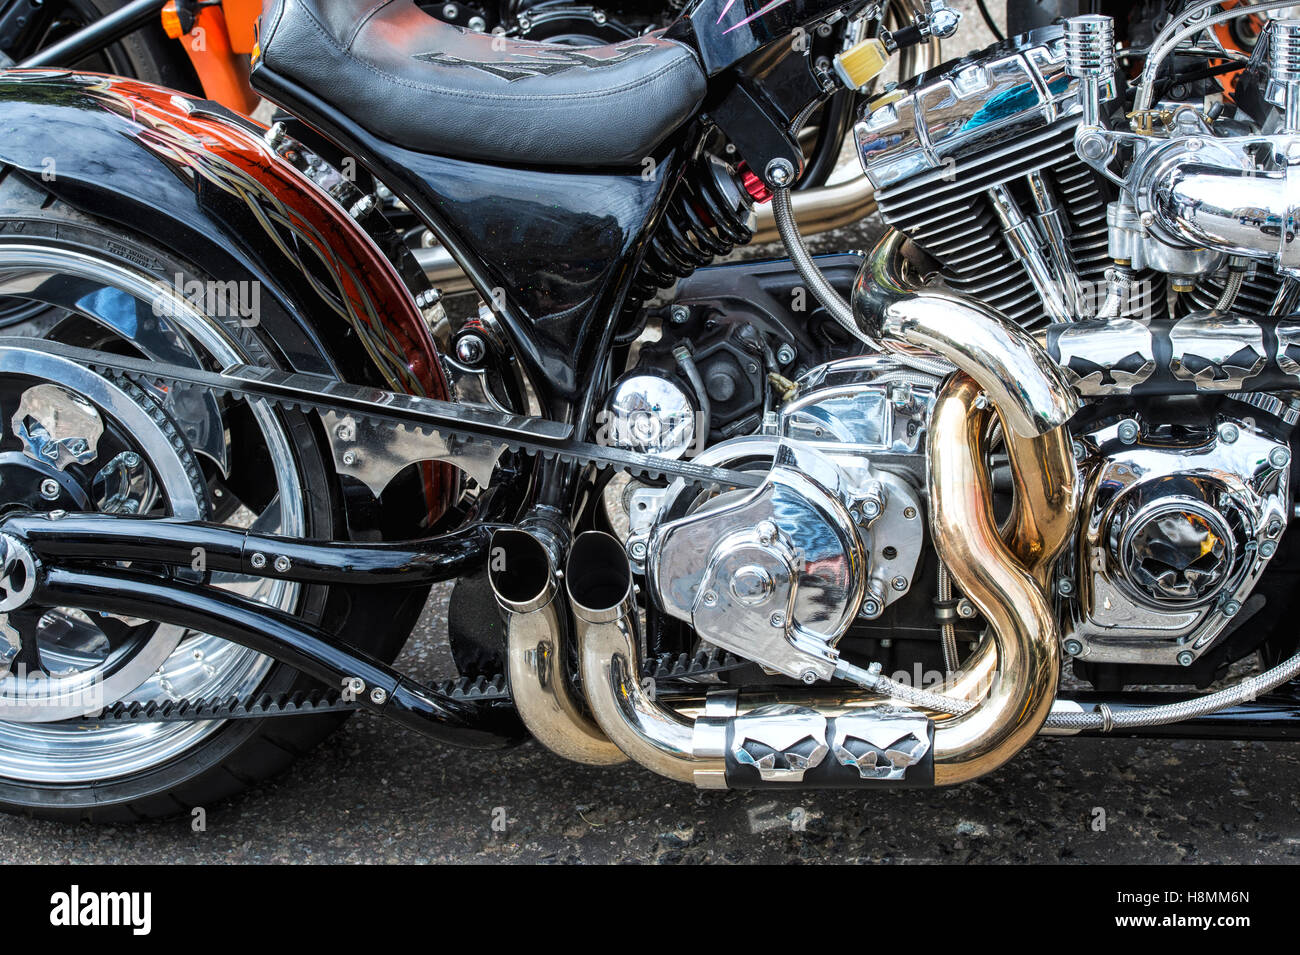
200	181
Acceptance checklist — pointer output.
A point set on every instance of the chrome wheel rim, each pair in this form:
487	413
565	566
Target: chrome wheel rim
158	321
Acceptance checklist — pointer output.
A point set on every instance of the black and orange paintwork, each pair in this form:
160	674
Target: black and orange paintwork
207	183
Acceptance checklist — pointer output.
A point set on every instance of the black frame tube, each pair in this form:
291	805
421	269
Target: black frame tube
98	35
103	537
486	724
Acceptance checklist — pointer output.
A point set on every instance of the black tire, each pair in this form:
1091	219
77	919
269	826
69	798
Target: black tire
242	752
147	54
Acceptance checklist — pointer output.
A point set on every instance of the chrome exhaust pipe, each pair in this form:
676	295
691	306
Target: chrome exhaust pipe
826	740
599	582
1028	388
522	571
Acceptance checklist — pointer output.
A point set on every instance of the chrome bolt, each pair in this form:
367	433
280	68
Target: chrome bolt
1268	548
345	432
57	515
899	584
50	489
378	696
355	685
1279	457
679	314
909	513
777	619
1073	647
349	458
784	355
981	401
780	173
637	550
258	561
477	24
598	16
808	676
870	508
1228	432
1065	587
282	564
870	608
1186	658
766	531
1231	608
1274	528
965	609
710	598
450	10
131	459
470	349
1128	431
1078	450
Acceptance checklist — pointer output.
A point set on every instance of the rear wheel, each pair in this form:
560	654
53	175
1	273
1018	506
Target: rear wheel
76	441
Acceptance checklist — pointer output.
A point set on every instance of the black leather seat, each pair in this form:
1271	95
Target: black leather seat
433	87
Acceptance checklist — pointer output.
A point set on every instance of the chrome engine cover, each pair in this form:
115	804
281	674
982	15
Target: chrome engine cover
1176	533
778	574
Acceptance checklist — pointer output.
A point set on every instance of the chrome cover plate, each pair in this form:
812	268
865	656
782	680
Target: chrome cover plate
978	101
1175	535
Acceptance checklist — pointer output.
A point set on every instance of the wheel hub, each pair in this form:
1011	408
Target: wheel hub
80	441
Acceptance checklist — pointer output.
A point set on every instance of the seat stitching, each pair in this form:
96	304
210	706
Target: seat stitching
466	94
364	20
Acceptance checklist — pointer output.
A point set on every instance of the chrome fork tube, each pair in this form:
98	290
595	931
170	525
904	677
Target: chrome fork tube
522	572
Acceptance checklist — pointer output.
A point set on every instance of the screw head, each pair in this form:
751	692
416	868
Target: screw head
478	24
349	458
1228	432
1186	658
1078	450
808	676
870	608
1267	548
50	489
356	685
710	598
1279	457
378	696
870	508
1073	647
909	513
449	11
1274	528
131	459
780	173
1065	587
679	314
965	609
345	432
1231	608
777	619
638	550
899	583
785	354
258	561
1128	431
282	564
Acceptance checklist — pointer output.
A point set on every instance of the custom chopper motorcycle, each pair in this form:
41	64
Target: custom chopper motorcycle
837	520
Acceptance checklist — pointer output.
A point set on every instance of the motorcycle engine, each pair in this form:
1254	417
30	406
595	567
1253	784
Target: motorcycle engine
1184	502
